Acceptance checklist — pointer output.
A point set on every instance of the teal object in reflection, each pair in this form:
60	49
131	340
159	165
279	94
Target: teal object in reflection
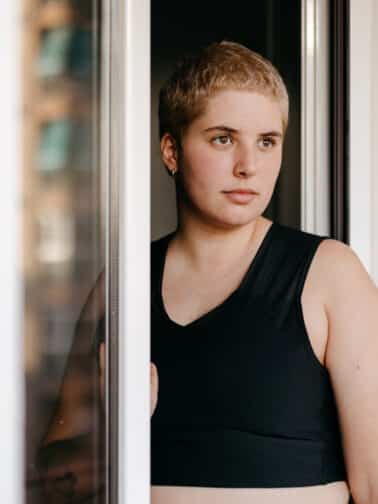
81	54
66	50
55	146
54	59
82	146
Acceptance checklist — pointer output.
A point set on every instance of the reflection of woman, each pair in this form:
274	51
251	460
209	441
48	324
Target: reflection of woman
264	336
71	455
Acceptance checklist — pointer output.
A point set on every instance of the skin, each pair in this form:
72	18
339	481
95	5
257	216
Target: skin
218	238
215	160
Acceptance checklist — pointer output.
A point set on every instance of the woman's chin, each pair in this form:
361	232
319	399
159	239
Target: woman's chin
227	216
231	221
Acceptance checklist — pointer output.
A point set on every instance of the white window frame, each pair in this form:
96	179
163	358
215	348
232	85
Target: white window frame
130	185
12	362
374	185
315	118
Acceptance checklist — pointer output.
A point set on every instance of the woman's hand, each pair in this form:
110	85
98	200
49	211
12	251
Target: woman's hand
154	387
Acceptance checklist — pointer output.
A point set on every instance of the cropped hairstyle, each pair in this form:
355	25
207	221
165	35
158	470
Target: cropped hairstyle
219	66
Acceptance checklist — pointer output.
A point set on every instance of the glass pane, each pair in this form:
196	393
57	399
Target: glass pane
63	252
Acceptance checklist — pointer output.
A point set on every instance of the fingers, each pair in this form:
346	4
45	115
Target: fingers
153	369
154	381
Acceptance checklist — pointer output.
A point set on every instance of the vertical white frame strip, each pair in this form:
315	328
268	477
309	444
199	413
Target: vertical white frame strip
315	164
134	252
12	367
374	268
361	122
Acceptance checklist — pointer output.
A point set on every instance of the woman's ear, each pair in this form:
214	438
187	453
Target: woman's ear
169	153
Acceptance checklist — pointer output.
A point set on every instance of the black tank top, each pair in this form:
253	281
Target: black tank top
243	400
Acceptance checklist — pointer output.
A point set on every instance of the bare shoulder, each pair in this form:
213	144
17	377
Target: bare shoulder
350	299
339	268
335	250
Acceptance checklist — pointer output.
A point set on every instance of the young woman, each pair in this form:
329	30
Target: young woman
264	342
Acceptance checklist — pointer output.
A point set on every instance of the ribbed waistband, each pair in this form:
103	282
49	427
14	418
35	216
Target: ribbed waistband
238	459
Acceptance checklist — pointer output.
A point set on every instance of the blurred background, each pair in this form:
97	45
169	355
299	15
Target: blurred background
63	241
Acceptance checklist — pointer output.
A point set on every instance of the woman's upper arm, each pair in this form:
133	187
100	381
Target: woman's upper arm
351	302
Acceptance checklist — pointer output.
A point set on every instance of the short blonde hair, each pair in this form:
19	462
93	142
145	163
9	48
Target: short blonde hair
219	66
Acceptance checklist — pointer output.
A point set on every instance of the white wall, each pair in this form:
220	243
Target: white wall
374	189
363	187
11	368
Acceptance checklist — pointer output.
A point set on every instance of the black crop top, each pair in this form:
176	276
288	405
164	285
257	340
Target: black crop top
243	400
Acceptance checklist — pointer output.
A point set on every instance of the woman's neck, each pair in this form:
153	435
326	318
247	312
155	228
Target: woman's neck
204	244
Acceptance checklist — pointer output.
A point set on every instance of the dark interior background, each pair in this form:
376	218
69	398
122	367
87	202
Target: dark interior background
272	28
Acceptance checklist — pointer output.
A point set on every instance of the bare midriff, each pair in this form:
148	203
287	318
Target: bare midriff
331	493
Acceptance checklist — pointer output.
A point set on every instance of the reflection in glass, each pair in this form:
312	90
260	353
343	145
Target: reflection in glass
63	253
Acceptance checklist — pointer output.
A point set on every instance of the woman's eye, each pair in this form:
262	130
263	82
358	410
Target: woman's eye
267	142
222	139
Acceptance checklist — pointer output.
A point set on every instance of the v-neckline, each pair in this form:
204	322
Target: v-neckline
213	311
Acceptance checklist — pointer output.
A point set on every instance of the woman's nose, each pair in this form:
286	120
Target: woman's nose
245	163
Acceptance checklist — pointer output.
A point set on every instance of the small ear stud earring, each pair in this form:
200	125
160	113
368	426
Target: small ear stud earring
173	172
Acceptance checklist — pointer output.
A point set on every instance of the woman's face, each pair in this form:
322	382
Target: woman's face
235	145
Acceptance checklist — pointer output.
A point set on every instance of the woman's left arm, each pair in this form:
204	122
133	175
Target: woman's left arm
351	302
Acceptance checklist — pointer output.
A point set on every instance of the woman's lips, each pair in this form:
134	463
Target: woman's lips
240	196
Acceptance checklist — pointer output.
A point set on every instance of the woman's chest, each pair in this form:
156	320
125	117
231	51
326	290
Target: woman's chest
191	298
243	358
188	296
241	366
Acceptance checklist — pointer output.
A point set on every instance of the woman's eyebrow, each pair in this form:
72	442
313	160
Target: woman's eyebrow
221	127
228	129
272	134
